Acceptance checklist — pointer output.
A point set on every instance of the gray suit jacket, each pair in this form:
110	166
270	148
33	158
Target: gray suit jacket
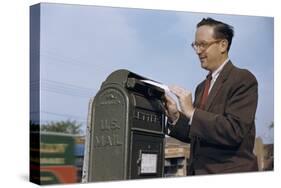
222	135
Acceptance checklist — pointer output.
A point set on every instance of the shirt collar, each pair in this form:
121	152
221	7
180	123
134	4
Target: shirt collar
217	72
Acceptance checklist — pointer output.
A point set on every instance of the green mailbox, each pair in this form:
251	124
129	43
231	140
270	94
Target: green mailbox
126	130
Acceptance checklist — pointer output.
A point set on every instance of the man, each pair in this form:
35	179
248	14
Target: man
219	125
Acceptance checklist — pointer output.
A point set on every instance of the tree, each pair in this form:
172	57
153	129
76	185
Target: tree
70	127
33	126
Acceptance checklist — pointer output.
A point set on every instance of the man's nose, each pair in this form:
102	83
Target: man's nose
198	51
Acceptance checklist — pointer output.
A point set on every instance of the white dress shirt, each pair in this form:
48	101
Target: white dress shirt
216	74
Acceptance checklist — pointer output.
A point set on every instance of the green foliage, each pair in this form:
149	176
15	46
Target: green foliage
33	126
69	127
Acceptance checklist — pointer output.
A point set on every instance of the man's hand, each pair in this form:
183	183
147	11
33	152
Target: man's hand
185	100
171	108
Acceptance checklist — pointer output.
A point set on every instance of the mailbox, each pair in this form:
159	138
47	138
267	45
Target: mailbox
126	130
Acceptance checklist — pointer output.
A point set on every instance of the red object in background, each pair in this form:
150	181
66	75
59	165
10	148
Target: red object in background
65	174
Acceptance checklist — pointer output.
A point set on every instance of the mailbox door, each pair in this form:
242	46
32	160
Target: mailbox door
146	155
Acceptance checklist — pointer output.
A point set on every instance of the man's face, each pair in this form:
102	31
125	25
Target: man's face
208	49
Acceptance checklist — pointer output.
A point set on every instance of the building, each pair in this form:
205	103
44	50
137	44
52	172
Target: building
79	155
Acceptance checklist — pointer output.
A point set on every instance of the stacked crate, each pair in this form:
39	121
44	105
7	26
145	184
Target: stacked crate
176	158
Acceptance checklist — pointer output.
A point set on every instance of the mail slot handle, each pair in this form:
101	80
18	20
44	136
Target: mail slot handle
144	88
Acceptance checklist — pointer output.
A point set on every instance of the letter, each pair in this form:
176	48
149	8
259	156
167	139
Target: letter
97	142
114	125
116	140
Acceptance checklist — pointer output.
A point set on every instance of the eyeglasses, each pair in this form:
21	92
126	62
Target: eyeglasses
202	46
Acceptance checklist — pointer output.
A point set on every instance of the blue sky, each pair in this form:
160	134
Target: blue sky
81	45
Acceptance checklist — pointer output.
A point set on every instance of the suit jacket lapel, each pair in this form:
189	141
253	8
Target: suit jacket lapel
198	95
218	84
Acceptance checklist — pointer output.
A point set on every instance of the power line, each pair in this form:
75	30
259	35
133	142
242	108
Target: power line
62	88
61	84
54	113
70	61
67	84
60	114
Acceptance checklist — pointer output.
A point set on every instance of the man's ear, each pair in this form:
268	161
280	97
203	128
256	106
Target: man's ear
223	46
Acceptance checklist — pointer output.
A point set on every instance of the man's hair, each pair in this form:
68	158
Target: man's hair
221	30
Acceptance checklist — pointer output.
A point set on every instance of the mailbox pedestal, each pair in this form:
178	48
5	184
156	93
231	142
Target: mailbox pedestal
125	133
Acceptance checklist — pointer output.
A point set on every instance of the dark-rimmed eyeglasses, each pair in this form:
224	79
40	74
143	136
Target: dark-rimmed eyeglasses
202	46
